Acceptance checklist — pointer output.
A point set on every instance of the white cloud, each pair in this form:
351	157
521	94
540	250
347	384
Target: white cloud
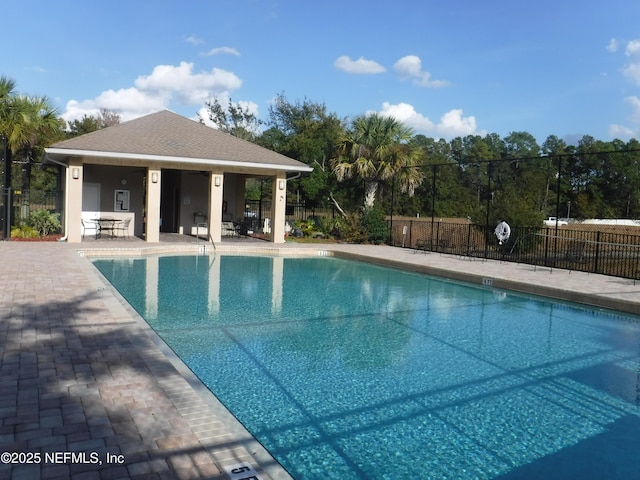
635	105
633	48
129	103
451	124
612	46
154	92
624	132
223	50
361	66
410	67
131	100
632	69
194	40
632	72
203	112
187	87
406	114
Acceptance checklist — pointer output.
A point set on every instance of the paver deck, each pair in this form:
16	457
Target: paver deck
81	372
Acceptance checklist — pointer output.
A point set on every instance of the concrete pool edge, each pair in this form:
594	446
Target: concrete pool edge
194	406
489	278
566	285
476	272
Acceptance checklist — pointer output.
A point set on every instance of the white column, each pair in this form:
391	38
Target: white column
278	210
152	228
74	200
277	277
151	286
216	183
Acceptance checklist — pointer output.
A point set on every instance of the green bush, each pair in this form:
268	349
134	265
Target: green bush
45	222
306	227
23	231
374	225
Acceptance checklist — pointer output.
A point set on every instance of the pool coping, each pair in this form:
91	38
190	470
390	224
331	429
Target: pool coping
487	279
560	284
204	399
66	274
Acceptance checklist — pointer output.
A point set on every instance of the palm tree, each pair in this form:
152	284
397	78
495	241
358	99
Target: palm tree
7	92
35	126
376	149
28	124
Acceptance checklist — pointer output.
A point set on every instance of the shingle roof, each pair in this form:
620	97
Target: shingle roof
169	136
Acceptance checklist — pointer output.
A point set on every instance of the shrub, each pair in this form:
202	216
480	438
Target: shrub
45	222
374	225
304	227
349	229
23	231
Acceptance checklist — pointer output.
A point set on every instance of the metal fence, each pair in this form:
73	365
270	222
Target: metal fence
17	205
295	211
597	251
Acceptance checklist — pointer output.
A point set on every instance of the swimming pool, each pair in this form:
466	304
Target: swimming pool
347	370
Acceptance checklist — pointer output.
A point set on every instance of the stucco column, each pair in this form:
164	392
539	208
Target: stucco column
278	210
216	183
74	200
152	229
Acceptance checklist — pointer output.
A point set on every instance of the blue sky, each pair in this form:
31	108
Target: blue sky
567	68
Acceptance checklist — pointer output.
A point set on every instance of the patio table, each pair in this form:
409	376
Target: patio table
107	225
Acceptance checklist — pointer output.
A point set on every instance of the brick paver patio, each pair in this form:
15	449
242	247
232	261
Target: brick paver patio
81	374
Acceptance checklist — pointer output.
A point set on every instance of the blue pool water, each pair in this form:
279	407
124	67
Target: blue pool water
344	370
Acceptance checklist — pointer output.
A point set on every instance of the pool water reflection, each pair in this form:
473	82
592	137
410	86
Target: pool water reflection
347	370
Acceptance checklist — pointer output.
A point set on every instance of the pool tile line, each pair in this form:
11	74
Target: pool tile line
67	382
216	429
590	289
80	373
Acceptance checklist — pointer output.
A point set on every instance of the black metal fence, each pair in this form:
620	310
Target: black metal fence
17	205
595	251
294	211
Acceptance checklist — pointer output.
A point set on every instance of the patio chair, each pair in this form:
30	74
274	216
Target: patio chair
576	252
122	226
422	244
229	229
508	249
87	225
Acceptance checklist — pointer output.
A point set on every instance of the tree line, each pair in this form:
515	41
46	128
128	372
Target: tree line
376	163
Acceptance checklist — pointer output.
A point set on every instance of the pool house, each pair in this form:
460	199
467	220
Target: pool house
166	173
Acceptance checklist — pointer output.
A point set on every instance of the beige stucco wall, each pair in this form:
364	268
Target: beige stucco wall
216	187
198	192
194	198
152	232
112	178
74	200
278	210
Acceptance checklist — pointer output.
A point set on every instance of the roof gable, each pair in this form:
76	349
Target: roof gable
168	135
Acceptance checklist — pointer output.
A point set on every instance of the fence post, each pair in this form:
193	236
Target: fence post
8	210
546	247
597	254
5	199
411	233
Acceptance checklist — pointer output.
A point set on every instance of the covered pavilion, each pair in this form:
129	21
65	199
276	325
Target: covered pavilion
166	173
